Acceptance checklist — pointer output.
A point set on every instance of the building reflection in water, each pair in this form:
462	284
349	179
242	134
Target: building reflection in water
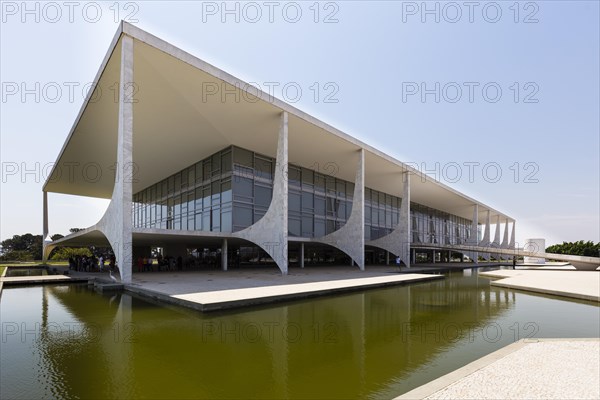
349	346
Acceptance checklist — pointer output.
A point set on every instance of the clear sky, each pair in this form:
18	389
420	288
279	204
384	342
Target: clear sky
511	86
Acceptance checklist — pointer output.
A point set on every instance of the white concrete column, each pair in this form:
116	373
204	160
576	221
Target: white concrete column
350	238
473	239
271	231
124	183
45	231
485	241
474	225
301	255
398	241
511	244
496	242
45	217
504	244
224	255
116	224
404	219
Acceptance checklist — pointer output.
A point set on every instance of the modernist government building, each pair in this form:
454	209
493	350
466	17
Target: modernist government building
194	160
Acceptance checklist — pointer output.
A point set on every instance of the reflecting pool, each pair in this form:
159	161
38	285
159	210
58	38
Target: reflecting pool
67	341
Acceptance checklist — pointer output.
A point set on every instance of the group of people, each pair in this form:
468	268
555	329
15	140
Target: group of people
168	263
172	263
93	263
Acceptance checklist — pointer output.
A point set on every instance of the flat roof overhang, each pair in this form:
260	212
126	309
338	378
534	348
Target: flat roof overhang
179	119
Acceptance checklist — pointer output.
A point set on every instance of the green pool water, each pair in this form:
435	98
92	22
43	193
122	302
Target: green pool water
69	342
15	271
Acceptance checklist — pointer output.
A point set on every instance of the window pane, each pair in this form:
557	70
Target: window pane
307	177
171	184
330	226
319	182
341	188
177	201
226	163
177	182
307	201
206	197
262	196
242	216
294	202
215	164
198	222
206	220
199	176
226	221
191	176
243	186
184	178
226	192
216	193
307	226
319	205
319	227
330	183
184	223
349	190
158	213
341	213
190	202
263	168
294	175
332	206
242	157
199	199
207	170
294	227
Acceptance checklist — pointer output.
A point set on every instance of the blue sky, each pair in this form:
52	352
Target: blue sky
511	86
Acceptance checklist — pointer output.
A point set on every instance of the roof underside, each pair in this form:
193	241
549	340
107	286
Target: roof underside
179	120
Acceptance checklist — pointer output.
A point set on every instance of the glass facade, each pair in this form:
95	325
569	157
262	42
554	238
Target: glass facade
233	188
430	226
382	211
196	198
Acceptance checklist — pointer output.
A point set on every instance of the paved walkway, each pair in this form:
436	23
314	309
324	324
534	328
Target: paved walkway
214	290
528	369
583	285
37	280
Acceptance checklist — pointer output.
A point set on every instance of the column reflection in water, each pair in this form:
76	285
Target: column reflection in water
373	344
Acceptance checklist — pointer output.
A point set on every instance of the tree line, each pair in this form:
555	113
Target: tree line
29	247
579	248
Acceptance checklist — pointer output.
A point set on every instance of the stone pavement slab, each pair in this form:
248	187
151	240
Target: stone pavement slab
528	369
265	294
213	290
34	280
583	285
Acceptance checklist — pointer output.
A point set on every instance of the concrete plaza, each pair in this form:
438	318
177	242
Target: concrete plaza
528	369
